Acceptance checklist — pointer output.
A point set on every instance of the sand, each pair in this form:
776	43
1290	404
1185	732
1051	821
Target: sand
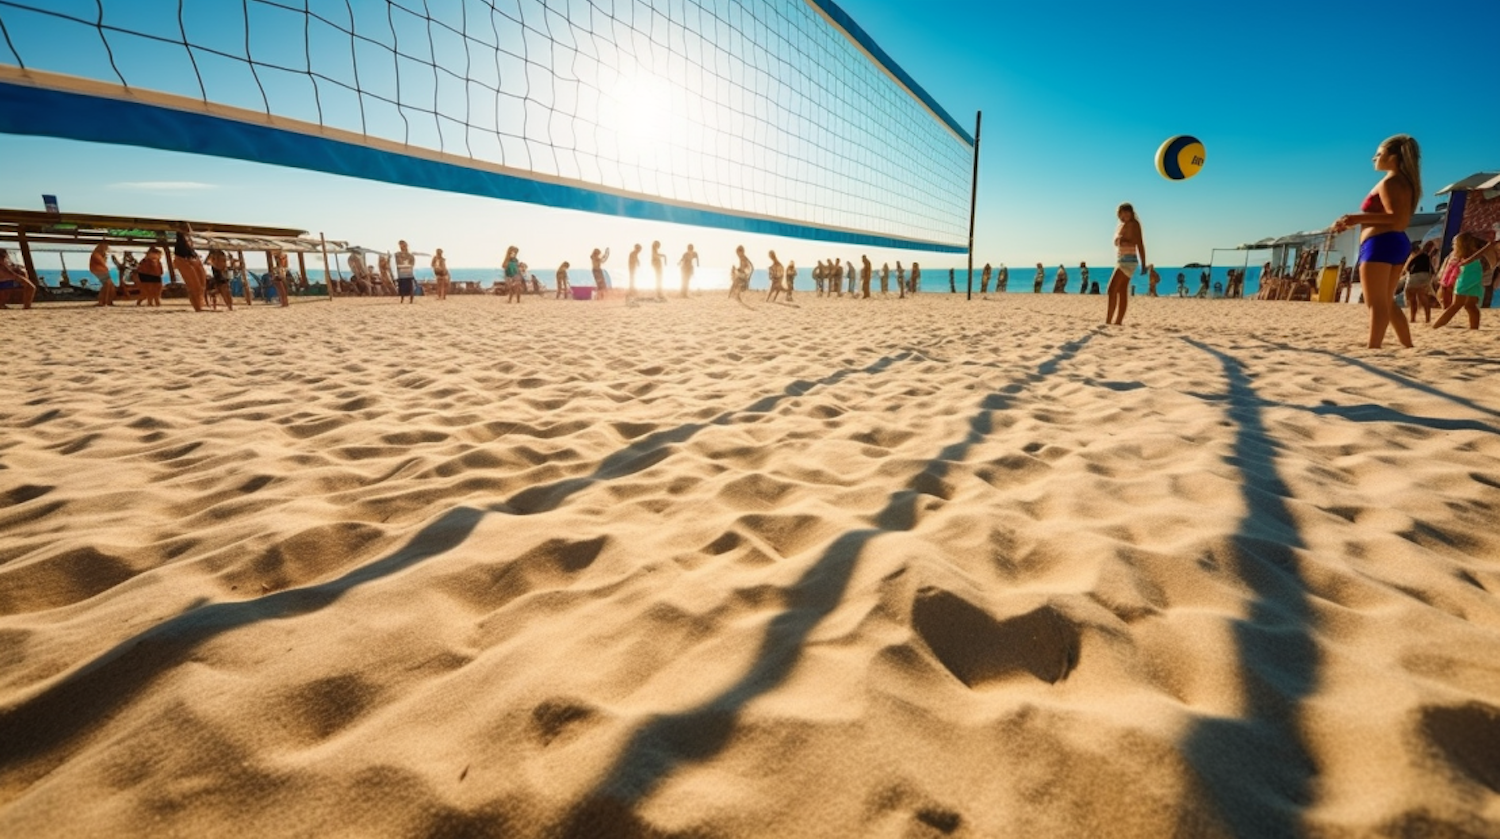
881	568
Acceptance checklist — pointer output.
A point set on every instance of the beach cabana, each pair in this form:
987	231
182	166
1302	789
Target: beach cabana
1473	207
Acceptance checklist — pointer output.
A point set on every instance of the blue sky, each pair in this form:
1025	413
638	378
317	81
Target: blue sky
1290	100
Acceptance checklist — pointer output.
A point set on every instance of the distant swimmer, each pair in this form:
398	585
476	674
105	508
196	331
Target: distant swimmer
1130	249
686	264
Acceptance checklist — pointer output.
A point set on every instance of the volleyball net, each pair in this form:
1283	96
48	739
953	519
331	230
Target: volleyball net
767	116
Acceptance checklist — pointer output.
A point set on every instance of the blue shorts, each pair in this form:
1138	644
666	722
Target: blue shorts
8	285
1386	248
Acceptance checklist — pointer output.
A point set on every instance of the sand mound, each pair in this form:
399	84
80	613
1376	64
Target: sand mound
840	568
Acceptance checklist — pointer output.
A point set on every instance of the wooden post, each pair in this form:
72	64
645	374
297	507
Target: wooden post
302	269
327	275
245	278
26	257
166	257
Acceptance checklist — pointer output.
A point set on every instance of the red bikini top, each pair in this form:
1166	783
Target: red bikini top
1372	204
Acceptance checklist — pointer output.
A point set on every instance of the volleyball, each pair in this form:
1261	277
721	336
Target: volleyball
1180	158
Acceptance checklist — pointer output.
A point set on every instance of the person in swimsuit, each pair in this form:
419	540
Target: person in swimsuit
777	273
1130	250
218	281
14	280
563	290
791	278
278	278
1002	279
865	272
596	262
1083	283
1383	246
1060	281
685	265
99	267
984	280
885	277
740	274
916	279
1041	277
632	265
148	274
406	274
441	278
515	275
658	265
187	262
1467	249
1419	282
900	279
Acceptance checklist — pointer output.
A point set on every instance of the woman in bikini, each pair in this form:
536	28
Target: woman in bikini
1130	250
441	277
148	274
218	283
1383	246
597	260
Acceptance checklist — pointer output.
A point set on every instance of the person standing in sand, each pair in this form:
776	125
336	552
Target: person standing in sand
984	280
99	267
148	273
850	274
188	264
1060	280
686	265
1130	250
1083	271
916	279
406	273
1041	277
632	264
865	271
596	267
440	275
1154	279
885	278
739	275
1383	246
777	273
1002	279
900	279
1419	282
563	290
658	265
952	282
218	281
14	279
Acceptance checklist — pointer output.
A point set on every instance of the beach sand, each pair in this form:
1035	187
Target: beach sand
849	568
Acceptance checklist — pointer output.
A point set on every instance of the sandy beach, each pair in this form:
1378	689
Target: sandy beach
701	569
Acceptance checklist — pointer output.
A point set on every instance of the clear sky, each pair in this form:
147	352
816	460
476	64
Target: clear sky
1290	100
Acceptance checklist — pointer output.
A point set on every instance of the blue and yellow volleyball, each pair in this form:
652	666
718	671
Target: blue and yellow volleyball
1180	158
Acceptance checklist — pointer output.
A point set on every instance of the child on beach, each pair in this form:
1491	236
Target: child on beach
515	275
218	281
1469	283
1419	282
562	281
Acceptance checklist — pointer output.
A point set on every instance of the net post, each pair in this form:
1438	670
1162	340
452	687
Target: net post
973	200
327	275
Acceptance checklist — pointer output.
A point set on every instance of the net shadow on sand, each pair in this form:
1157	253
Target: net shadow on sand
667	741
1255	768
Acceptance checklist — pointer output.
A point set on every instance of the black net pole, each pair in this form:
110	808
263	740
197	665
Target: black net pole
973	200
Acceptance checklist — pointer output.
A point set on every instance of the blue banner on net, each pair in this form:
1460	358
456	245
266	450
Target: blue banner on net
30	110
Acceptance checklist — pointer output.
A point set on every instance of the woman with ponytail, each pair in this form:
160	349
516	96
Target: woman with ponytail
1383	246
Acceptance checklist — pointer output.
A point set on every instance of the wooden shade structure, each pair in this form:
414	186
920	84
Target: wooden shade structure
64	231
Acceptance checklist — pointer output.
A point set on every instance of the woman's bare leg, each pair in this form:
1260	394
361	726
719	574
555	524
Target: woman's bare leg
1378	280
1119	297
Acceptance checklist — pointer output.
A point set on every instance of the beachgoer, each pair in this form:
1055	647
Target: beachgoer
515	275
739	275
952	282
1467	249
850	274
148	273
406	273
686	264
791	278
658	265
885	277
1181	284
866	271
900	278
188	264
1041	277
1060	281
1002	279
14	280
984	280
596	267
1203	285
1383	246
916	279
218	282
1419	282
1130	250
128	285
278	277
1154	279
99	267
387	278
777	273
561	278
1083	283
442	279
632	264
357	271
